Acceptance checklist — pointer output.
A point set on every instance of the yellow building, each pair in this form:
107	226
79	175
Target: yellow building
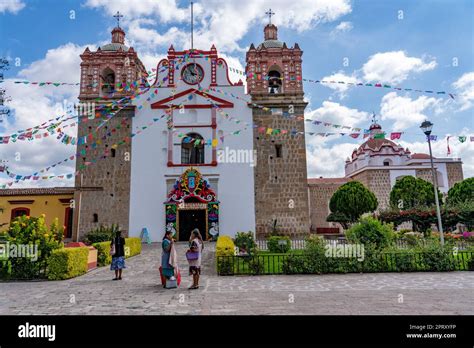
54	202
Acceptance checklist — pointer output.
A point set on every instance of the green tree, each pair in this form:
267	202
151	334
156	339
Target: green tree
461	192
370	231
350	201
410	192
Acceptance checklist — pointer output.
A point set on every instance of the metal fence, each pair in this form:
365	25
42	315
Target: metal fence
300	244
290	263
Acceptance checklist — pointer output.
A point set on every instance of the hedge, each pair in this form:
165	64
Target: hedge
279	244
67	263
224	247
133	246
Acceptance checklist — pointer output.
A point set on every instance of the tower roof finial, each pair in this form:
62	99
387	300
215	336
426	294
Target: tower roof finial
118	16
270	14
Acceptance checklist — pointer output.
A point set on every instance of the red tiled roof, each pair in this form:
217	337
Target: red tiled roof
37	191
420	156
375	144
312	181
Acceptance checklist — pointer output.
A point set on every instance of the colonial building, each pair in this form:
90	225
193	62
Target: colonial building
378	163
55	202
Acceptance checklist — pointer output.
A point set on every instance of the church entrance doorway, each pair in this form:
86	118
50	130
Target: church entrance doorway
191	204
189	220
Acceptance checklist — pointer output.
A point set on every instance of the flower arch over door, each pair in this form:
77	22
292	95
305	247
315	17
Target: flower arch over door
192	191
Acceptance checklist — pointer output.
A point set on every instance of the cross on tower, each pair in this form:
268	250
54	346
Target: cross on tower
118	16
270	14
374	118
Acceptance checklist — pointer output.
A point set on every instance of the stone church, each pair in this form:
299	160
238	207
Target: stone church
158	163
167	173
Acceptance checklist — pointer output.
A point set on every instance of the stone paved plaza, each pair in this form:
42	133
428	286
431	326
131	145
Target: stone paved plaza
140	292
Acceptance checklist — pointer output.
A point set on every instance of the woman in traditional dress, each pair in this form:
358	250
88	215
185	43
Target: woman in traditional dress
166	268
196	245
117	246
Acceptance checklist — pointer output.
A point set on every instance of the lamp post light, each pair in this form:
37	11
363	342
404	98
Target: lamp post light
426	127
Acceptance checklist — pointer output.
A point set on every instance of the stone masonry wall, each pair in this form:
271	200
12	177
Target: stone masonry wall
106	183
377	181
455	173
281	188
319	196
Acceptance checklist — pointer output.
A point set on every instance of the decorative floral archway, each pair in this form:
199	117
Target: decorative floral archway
192	191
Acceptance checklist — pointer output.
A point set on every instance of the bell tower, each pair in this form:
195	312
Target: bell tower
275	85
103	163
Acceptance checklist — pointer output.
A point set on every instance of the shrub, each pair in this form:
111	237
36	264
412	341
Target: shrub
371	231
103	253
32	231
133	246
245	240
436	258
256	265
101	234
279	244
67	263
225	247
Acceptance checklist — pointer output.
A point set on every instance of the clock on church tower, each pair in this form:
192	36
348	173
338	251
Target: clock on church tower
274	81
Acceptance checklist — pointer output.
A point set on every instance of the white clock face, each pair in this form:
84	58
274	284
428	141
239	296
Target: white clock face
192	74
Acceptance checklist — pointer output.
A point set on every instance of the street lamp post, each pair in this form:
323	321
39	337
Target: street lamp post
426	127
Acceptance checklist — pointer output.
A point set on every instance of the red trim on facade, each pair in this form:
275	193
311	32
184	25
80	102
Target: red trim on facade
212	164
67	233
226	70
162	104
12	216
196	126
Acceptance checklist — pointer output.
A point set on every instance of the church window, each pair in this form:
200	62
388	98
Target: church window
108	81
386	163
112	152
278	151
274	82
95	217
192	149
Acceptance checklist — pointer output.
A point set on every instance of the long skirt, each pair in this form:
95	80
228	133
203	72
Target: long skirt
117	263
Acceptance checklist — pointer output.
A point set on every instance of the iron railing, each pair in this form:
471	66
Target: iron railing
291	263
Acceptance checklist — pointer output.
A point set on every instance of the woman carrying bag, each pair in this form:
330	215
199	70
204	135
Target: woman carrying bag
193	255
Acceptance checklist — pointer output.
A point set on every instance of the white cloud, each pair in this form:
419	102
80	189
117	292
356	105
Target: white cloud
222	23
343	27
394	67
13	6
465	150
339	87
328	161
338	114
406	112
33	105
465	88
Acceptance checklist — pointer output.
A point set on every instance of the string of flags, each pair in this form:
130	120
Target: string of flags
259	77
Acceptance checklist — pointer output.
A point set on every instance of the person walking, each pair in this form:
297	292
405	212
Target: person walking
117	250
196	245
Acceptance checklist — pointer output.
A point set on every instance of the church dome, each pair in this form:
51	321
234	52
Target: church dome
270	44
114	47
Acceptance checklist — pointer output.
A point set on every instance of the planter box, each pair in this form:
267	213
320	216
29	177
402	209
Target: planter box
92	259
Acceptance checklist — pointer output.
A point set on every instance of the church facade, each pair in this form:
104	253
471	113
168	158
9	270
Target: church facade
190	154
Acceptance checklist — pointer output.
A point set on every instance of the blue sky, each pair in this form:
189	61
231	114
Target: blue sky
413	44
